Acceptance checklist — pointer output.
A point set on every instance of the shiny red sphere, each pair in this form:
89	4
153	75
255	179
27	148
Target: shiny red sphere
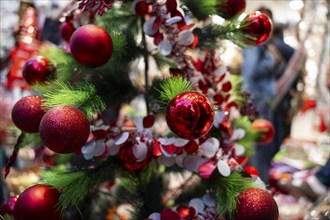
38	69
27	113
66	31
229	8
91	45
264	129
257	25
64	129
38	203
141	7
256	204
190	115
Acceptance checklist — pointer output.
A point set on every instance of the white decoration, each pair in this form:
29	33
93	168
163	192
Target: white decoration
147	27
198	204
121	138
165	47
186	38
173	20
223	168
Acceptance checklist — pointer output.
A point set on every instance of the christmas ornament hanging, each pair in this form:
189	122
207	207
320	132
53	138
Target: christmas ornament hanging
27	113
256	204
91	45
64	129
258	26
190	115
140	7
229	8
264	129
39	202
38	69
66	30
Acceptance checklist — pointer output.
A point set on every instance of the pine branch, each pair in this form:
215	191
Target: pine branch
236	83
6	217
250	136
201	9
172	87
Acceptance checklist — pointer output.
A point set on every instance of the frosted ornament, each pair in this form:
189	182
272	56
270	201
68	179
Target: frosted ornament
223	168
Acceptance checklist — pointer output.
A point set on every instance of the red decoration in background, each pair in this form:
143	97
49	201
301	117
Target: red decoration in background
38	69
190	115
66	30
7	207
141	7
95	6
251	170
64	129
264	129
39	202
91	45
229	8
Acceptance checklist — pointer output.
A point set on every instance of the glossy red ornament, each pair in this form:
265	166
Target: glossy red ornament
229	8
264	129
257	25
66	30
256	204
27	113
251	170
64	129
190	115
141	7
38	69
38	203
91	45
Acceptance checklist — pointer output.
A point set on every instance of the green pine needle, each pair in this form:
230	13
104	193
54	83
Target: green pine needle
226	191
250	136
236	83
174	86
201	9
6	217
83	96
31	139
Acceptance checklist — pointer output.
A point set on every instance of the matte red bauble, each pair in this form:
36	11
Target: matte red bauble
91	45
256	204
190	115
64	129
140	7
264	129
27	113
38	203
229	8
66	31
257	25
38	69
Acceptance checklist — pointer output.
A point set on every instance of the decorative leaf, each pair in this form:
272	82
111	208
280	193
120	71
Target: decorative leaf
174	86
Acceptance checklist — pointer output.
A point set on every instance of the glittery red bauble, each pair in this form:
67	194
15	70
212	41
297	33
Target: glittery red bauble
66	31
91	45
64	129
38	69
256	204
38	203
190	115
229	8
264	129
257	25
27	113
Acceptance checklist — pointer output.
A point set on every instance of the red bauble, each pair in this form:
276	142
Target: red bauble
38	69
91	45
38	203
66	30
27	113
141	7
7	207
229	8
257	25
256	204
190	115
64	129
264	129
251	170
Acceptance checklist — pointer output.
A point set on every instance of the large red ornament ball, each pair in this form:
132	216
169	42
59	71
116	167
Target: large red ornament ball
256	204
64	129
27	113
38	69
66	30
257	25
38	203
91	45
264	129
190	115
229	8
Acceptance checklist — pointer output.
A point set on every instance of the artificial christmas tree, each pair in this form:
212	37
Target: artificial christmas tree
129	160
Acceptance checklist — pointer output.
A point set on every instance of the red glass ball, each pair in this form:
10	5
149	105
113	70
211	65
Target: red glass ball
257	25
190	115
66	31
38	69
91	45
141	7
38	203
264	129
229	8
64	129
256	203
27	113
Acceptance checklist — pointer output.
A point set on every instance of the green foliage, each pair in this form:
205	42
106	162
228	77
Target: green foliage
236	83
227	189
6	217
201	9
174	86
250	135
31	139
83	95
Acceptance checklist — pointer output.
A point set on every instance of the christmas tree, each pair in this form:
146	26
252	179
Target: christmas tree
182	156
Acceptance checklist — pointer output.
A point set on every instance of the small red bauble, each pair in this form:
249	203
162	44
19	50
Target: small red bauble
27	113
229	8
38	69
66	31
141	7
7	207
257	25
264	129
251	170
38	203
91	45
190	115
64	129
256	204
